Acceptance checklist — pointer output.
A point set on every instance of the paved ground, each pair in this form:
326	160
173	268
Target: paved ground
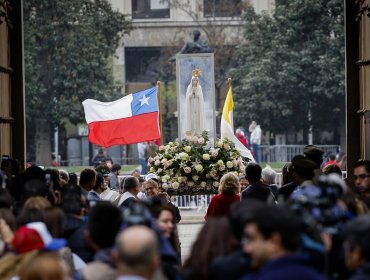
191	223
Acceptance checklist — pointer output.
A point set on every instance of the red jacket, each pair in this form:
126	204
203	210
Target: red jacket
220	205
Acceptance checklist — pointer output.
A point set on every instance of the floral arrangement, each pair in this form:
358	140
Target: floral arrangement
193	166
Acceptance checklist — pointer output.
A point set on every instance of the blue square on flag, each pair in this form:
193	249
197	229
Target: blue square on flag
144	102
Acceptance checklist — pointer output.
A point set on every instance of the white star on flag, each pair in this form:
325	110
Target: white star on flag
144	100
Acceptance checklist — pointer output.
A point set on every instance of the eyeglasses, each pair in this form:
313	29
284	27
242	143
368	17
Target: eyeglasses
361	176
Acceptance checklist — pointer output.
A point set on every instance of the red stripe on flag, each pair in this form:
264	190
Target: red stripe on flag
130	130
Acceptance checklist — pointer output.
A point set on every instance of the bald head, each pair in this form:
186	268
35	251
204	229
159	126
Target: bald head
137	251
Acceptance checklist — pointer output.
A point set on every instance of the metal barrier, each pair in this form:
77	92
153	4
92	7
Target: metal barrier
199	202
284	153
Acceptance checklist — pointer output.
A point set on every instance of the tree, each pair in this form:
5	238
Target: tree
291	68
69	46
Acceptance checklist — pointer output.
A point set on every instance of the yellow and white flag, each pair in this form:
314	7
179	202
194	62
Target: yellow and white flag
227	126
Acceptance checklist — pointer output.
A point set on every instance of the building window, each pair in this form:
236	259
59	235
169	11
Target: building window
221	8
150	9
142	64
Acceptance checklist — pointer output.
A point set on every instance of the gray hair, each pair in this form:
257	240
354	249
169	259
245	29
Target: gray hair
268	175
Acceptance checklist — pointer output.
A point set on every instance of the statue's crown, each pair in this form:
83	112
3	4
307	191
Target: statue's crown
197	72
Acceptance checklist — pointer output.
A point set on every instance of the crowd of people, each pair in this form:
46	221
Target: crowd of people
55	225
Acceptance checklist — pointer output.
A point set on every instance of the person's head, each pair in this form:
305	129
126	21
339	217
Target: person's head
253	172
72	202
165	218
357	242
73	179
151	188
116	168
253	124
314	153
101	151
331	156
361	177
286	173
271	233
99	184
229	184
87	179
6	200
215	239
64	175
137	252
54	220
32	188
130	184
136	173
332	168
243	182
46	266
268	175
37	202
302	169
102	231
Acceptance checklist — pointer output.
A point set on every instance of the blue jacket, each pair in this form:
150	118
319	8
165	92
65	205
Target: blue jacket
290	267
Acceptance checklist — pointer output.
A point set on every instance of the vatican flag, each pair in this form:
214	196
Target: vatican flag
227	126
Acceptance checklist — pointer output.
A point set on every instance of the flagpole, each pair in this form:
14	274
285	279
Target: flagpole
229	81
160	110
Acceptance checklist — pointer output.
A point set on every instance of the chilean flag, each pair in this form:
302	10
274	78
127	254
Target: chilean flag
131	119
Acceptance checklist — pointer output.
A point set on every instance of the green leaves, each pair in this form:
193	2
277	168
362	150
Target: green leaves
292	64
68	47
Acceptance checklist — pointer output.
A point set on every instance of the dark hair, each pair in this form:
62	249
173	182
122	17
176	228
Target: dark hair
253	172
6	200
286	173
116	167
29	216
87	176
103	231
363	162
71	202
214	239
72	179
276	219
99	181
54	220
356	233
317	159
32	188
241	213
332	168
34	172
129	183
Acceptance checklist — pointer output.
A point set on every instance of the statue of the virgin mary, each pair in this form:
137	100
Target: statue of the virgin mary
195	117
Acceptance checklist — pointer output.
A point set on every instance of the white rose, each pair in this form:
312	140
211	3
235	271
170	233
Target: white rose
215	183
161	148
164	161
164	179
157	162
184	156
206	157
195	178
190	183
199	167
165	186
220	162
187	149
179	179
203	184
151	169
227	147
175	185
229	164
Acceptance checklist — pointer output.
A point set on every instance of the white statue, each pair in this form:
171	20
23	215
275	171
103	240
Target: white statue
195	117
